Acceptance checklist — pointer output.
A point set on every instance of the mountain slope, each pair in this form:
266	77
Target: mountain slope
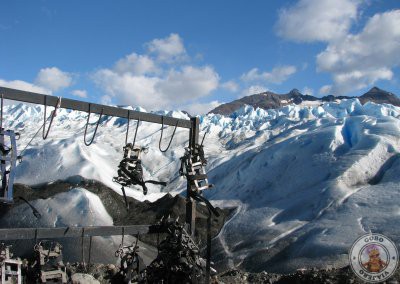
270	100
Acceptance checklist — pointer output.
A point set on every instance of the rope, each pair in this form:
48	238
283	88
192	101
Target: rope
34	210
172	137
31	140
137	127
202	140
90	251
1	116
204	136
83	249
123	235
95	130
53	114
127	129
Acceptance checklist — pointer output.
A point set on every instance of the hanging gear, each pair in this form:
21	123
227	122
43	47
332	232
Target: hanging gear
162	131
9	157
35	212
53	114
49	264
88	143
130	170
130	262
192	166
178	259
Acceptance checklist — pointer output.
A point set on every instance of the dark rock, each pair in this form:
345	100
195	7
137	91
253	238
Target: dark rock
270	100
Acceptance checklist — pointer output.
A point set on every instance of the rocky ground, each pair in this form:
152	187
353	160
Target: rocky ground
150	213
100	273
140	213
341	275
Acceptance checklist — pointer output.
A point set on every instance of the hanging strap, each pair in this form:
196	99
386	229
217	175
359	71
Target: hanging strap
162	130
90	251
137	127
53	114
1	115
204	136
123	236
125	199
95	130
211	211
200	198
83	248
127	131
208	256
34	210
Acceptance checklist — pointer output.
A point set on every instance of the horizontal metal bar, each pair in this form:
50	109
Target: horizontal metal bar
35	98
70	232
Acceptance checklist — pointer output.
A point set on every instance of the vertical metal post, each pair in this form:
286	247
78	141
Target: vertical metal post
190	203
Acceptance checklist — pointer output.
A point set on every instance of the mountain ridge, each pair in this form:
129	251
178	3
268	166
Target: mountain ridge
271	100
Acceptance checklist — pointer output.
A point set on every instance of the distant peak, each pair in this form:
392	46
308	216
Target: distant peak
375	89
295	91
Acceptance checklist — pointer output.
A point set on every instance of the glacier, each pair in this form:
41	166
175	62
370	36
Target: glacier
306	180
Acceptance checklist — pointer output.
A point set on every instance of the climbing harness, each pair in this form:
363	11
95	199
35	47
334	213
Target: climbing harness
192	166
95	130
162	131
8	162
130	260
48	263
9	158
130	170
52	115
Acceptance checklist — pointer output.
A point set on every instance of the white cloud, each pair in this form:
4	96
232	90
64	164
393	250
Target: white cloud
157	79
168	49
231	86
174	89
307	91
129	89
201	108
24	86
188	83
79	93
276	76
136	64
359	60
358	79
325	90
317	20
53	79
254	89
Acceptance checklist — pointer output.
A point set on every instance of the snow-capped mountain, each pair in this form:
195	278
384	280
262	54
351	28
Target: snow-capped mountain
270	100
306	180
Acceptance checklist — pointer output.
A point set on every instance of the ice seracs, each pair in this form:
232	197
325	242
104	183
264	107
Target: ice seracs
309	179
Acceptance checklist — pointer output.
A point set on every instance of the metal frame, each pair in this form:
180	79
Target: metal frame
40	99
71	232
193	125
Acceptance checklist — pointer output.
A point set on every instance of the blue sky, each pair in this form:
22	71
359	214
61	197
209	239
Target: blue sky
195	55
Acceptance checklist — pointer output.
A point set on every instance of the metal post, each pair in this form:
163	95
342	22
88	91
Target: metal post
190	203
